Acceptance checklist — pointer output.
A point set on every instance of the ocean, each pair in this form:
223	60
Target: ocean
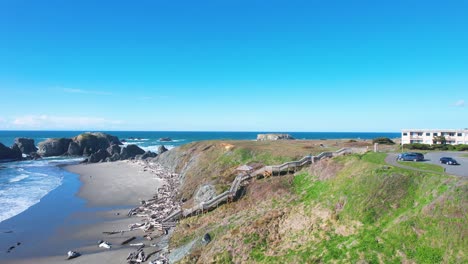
23	184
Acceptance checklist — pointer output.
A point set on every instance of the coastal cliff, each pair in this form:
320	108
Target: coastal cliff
215	162
353	208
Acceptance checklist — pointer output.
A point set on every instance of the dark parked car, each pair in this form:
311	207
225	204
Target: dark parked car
448	161
411	156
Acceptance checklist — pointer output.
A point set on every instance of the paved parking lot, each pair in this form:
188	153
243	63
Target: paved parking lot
460	170
434	158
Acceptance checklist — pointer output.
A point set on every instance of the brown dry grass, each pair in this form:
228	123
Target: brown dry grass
215	162
208	168
325	169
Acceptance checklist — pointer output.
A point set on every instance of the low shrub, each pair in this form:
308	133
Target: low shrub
383	140
461	147
420	146
443	147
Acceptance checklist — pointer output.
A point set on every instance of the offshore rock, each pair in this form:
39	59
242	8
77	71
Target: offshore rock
263	137
114	149
26	145
130	151
74	149
148	154
90	143
54	147
114	157
162	149
34	156
99	156
7	153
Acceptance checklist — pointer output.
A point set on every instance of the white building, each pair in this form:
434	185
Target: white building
426	136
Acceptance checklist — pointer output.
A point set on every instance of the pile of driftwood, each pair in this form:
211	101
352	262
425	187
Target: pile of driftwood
153	211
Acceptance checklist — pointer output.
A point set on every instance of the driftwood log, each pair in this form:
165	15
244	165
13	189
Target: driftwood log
152	213
128	240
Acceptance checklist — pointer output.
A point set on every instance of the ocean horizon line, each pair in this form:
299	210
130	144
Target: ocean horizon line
195	131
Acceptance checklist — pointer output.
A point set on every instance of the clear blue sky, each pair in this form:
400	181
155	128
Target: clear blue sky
233	65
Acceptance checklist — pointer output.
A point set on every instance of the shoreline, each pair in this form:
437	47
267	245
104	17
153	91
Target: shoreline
103	195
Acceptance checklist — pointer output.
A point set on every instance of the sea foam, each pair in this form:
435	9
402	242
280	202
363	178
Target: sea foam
19	178
23	184
154	148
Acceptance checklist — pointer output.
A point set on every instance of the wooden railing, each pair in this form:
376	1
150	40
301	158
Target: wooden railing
236	184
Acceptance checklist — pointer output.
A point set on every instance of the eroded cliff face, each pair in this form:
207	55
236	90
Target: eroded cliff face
184	160
214	163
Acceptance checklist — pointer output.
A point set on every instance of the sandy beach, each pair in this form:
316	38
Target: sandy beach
109	191
121	183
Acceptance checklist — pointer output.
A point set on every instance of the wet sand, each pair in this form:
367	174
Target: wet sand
107	192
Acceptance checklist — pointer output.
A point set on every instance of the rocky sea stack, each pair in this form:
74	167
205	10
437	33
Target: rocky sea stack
26	145
8	154
96	146
262	137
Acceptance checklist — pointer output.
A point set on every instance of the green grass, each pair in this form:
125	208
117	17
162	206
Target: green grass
423	166
309	190
223	258
243	156
374	157
392	205
396	215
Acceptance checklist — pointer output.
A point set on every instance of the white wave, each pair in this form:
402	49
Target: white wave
19	178
39	174
67	160
14	206
31	163
134	143
174	140
151	148
154	148
20	195
46	162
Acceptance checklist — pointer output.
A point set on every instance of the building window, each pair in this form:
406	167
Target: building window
405	134
459	134
420	134
451	134
428	134
435	134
